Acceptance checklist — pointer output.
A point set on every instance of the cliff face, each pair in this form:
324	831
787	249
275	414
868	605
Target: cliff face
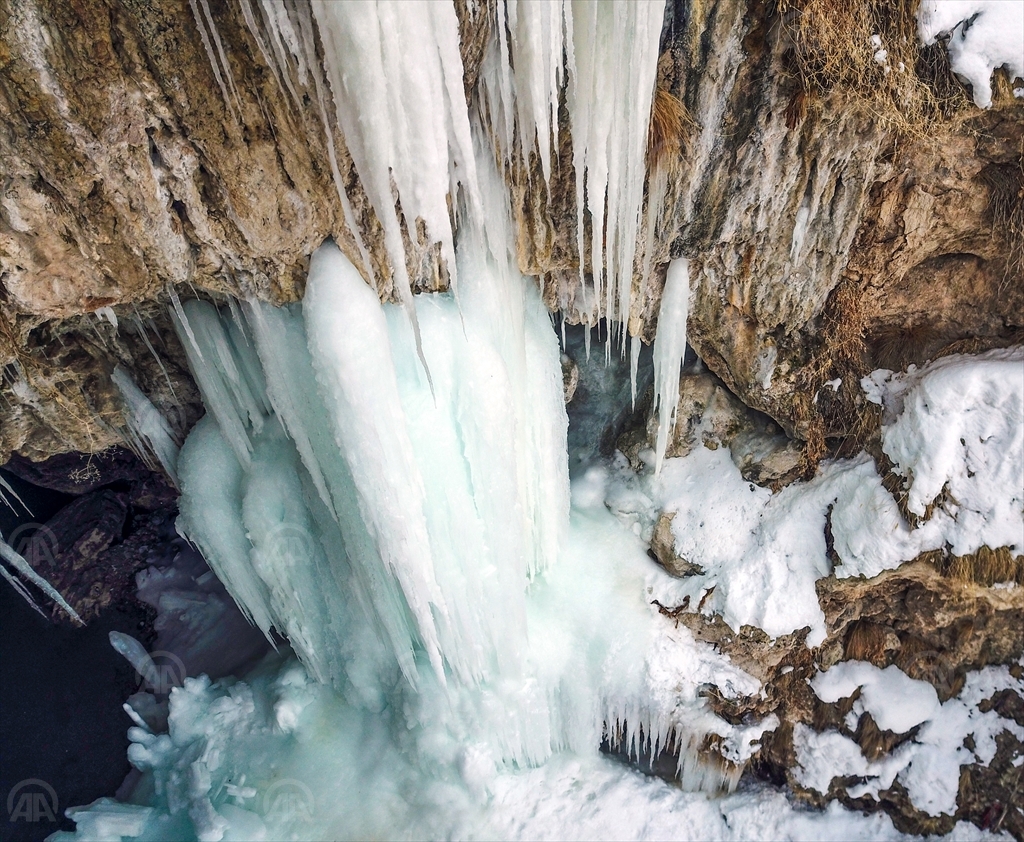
152	148
146	148
833	224
836	221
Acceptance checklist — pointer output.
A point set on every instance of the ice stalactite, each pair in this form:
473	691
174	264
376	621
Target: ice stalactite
669	351
148	432
609	52
615	49
22	567
444	501
396	73
602	58
216	56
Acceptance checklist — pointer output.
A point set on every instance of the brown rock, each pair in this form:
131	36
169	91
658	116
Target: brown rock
663	545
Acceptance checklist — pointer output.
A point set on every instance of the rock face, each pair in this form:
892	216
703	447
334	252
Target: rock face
92	548
150	148
933	628
827	233
153	149
709	415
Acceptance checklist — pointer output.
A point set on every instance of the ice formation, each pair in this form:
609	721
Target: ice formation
396	74
669	350
413	542
387	489
383	524
148	432
17	561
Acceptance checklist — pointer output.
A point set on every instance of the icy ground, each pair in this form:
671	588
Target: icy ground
278	756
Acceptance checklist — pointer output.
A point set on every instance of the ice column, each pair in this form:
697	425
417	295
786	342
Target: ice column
669	350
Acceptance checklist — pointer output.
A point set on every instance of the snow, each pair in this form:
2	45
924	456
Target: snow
928	764
956	424
918	701
961	432
983	35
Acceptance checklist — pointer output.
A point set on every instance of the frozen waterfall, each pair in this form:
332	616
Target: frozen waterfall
386	488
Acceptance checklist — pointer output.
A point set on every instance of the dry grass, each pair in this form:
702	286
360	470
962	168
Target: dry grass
897	346
909	91
1005	184
670	125
839	354
865	641
985	567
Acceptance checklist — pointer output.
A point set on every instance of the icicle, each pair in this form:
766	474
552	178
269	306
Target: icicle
306	40
136	655
215	59
225	392
669	350
396	74
178	315
15	559
360	388
635	344
271	61
147	422
108	314
537	49
615	47
656	194
22	592
141	329
6	486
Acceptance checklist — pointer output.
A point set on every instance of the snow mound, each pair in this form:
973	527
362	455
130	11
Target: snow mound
983	35
961	431
954	428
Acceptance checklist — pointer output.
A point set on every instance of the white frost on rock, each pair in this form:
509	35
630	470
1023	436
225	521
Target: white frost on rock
983	35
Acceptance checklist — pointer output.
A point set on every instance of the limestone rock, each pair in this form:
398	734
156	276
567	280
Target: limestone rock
663	545
709	415
825	239
135	161
934	628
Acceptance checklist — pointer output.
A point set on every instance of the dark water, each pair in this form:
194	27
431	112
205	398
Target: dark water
62	727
